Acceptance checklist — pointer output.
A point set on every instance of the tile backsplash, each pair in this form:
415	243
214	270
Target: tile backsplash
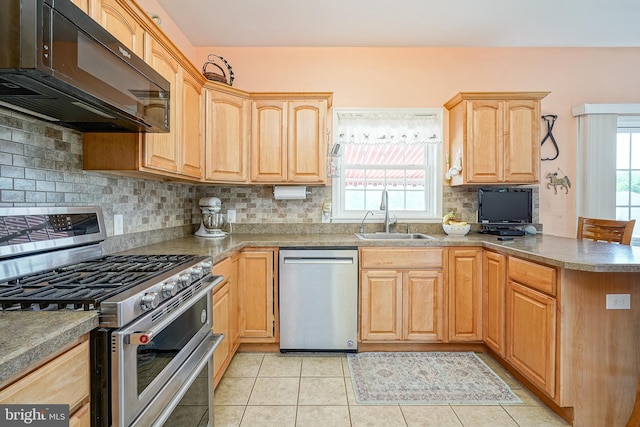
41	165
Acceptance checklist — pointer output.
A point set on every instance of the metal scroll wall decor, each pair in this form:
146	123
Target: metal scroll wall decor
555	179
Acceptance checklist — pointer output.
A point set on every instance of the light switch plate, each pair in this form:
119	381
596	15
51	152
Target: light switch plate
118	224
231	216
618	302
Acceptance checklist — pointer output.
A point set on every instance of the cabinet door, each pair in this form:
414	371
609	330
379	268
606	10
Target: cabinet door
234	331
531	335
227	133
494	284
522	141
115	19
63	380
423	302
161	150
381	305
465	295
191	123
83	5
255	273
306	154
221	315
482	161
268	141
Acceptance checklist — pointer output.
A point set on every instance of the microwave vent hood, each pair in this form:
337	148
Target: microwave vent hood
58	64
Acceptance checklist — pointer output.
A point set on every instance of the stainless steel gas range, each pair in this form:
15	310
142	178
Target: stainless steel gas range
154	342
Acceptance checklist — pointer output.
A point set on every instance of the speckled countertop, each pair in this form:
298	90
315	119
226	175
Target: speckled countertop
28	336
561	252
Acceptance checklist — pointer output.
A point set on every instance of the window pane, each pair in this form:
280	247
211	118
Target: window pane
373	199
353	200
353	154
374	154
415	155
374	178
396	200
635	187
622	214
622	150
415	201
635	150
622	183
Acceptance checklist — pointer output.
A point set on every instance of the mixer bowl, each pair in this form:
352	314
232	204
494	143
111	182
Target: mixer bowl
213	221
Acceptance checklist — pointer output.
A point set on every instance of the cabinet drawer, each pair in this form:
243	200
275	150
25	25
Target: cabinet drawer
534	275
401	258
64	380
224	268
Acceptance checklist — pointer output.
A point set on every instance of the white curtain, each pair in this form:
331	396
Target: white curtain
388	127
596	168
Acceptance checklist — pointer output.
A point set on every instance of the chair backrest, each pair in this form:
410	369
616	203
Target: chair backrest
608	230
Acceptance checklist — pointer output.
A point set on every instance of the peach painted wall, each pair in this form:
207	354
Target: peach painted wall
428	77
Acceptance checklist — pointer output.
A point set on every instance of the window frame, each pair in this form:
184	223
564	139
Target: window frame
434	174
628	125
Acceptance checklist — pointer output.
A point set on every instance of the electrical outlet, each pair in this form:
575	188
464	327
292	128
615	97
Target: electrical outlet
618	302
118	224
231	216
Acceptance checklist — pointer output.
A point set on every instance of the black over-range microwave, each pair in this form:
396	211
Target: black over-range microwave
58	64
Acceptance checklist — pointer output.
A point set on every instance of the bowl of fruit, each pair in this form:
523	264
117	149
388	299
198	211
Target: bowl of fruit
453	227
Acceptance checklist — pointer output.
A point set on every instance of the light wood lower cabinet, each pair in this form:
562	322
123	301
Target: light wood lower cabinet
531	323
256	295
465	295
405	302
225	315
494	284
63	380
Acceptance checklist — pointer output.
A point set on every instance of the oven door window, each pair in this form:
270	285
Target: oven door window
154	357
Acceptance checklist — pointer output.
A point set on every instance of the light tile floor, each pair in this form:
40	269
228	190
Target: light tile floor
287	390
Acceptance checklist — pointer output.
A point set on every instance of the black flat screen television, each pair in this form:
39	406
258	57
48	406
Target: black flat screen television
505	206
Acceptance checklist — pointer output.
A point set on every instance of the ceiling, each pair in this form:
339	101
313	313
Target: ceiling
408	23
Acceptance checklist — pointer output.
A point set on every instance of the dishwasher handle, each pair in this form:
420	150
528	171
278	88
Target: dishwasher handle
318	260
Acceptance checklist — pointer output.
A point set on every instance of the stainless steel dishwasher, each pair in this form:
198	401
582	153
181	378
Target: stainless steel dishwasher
318	292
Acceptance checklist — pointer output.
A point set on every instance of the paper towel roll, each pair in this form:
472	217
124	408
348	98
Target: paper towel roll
290	192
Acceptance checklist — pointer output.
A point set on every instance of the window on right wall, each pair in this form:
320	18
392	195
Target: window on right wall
628	171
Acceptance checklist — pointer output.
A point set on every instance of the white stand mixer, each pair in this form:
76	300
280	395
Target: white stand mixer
212	220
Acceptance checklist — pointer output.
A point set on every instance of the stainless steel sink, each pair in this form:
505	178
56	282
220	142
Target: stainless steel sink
393	236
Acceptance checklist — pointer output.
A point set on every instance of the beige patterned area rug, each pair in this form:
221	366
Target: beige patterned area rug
431	378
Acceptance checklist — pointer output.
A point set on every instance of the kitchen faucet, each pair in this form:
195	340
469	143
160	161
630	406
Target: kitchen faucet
384	205
362	223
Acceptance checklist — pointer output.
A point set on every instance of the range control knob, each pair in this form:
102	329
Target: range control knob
196	273
149	301
169	289
206	265
184	280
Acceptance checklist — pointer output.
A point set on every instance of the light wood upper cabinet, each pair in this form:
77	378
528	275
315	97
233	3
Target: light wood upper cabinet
465	295
493	301
288	140
307	148
83	5
120	23
161	150
495	137
227	128
191	125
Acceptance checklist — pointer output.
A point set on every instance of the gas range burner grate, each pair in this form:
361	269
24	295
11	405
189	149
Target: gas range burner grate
85	284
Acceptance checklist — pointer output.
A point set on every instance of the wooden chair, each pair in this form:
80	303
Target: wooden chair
608	230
